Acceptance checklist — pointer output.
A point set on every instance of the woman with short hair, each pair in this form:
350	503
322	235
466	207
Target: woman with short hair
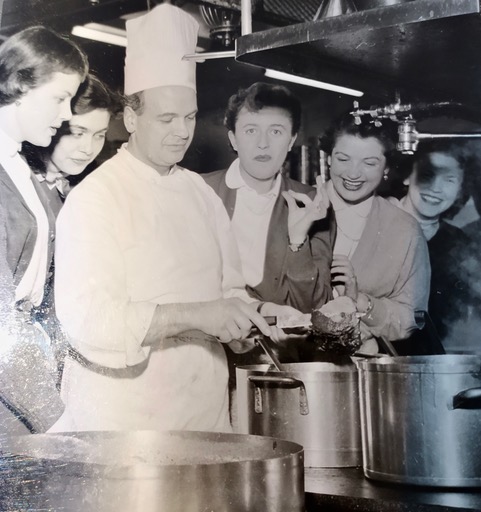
285	249
40	72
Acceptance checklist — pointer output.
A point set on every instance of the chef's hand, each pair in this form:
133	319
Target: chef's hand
230	319
342	272
277	335
300	220
272	309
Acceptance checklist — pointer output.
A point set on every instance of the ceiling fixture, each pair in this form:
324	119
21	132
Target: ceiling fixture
224	24
408	136
280	75
101	33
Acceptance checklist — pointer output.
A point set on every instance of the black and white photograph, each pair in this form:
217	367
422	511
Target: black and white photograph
240	255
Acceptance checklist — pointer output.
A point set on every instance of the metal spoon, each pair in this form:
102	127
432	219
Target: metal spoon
262	342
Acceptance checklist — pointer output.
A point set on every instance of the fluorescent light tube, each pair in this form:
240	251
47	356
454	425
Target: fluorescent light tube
101	33
280	75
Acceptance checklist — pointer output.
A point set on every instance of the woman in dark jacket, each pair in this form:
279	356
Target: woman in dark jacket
437	187
40	73
285	250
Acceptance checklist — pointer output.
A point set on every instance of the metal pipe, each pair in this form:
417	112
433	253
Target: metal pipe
246	17
209	55
421	136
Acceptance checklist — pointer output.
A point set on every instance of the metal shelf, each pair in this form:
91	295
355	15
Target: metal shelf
429	50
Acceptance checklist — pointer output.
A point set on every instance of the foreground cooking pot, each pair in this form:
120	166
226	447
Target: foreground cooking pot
313	404
159	471
421	419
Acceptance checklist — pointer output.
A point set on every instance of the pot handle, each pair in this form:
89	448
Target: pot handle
289	382
468	399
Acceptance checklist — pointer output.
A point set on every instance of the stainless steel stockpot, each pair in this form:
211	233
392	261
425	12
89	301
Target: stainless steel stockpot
313	404
421	419
147	471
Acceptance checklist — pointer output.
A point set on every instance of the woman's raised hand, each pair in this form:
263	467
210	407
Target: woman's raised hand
300	219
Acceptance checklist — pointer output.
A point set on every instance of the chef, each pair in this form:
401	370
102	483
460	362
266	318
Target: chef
148	281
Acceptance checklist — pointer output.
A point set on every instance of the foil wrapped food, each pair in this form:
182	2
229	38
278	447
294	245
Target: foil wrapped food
336	327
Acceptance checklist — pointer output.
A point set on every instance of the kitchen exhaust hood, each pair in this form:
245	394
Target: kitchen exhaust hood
426	50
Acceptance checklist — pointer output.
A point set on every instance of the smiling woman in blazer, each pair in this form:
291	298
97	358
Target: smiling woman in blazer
380	256
40	73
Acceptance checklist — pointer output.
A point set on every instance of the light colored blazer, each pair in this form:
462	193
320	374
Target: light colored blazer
391	264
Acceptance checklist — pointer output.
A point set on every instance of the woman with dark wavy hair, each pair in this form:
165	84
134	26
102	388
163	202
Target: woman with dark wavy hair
380	254
40	72
77	143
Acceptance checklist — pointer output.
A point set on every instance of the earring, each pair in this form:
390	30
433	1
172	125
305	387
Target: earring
385	176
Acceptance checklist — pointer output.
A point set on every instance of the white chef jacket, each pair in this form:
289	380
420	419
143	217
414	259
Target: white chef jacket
127	240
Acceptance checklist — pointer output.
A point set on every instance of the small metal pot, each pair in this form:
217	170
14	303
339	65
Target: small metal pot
421	418
153	472
313	404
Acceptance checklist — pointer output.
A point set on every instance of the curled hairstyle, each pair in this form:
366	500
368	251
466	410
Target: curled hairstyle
29	58
346	125
94	94
473	174
262	95
91	95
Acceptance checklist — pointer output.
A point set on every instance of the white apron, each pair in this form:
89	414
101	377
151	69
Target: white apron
184	387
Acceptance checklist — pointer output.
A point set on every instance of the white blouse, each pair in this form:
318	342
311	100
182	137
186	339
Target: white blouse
250	222
351	221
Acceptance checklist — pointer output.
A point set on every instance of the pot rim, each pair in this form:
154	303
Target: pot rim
312	367
62	448
441	363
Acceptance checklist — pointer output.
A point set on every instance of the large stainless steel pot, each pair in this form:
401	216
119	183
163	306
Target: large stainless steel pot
313	404
160	471
421	419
